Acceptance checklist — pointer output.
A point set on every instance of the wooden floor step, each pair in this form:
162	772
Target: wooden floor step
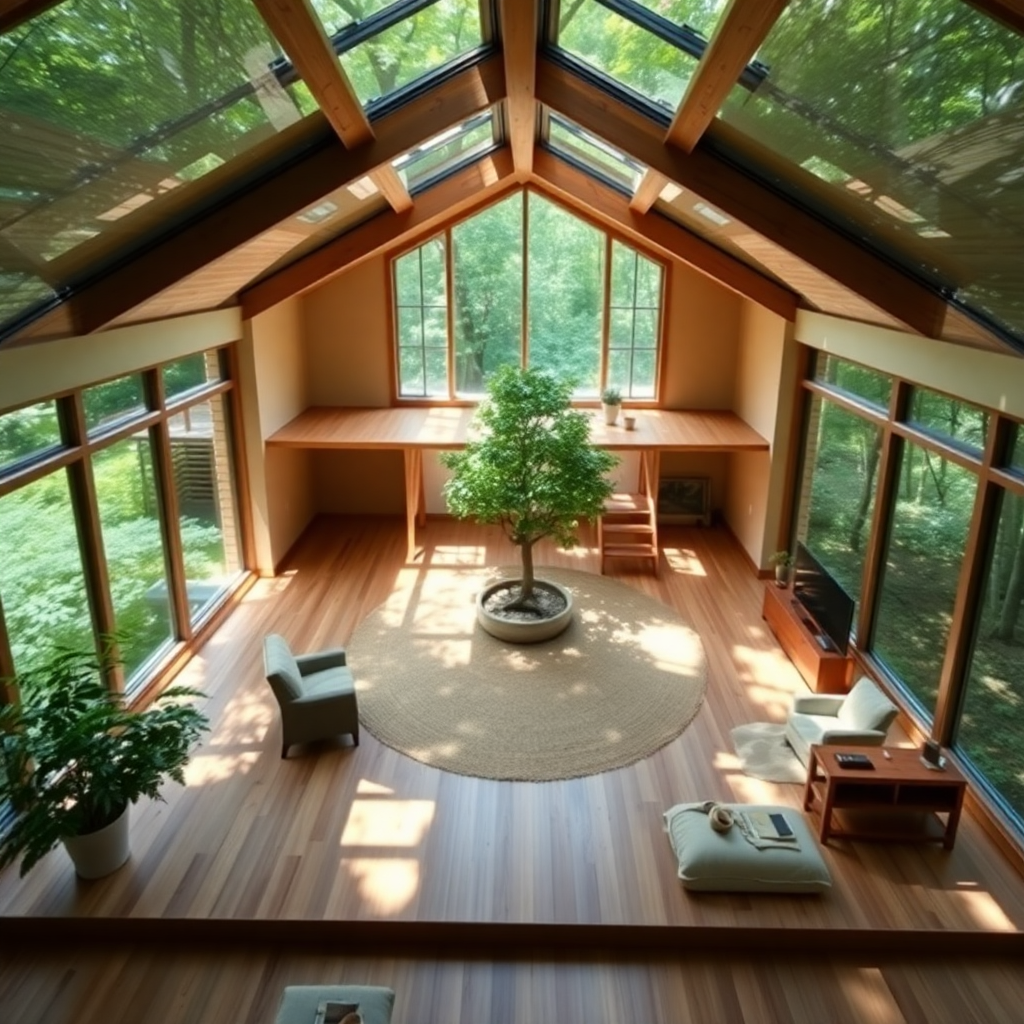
627	503
644	529
629	551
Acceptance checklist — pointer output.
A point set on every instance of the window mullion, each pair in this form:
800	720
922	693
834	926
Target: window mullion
606	317
449	313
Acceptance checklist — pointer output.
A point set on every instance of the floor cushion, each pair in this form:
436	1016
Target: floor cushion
727	861
299	1002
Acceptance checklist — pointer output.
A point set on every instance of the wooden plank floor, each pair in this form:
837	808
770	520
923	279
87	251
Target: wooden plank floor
367	834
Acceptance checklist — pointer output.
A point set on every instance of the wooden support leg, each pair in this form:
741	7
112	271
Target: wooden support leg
414	497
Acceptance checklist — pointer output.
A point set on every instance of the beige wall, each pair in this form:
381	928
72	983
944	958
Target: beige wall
765	368
986	378
33	372
348	338
273	371
702	337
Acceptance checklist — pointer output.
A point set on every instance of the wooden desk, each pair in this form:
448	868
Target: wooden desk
439	428
899	800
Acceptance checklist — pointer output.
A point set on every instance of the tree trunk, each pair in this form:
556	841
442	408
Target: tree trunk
1010	611
527	592
861	515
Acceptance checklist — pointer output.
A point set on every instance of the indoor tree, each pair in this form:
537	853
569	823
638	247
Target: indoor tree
533	469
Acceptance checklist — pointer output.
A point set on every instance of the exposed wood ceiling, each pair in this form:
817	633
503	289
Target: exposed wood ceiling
223	258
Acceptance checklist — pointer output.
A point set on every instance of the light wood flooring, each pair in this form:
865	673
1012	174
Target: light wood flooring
313	868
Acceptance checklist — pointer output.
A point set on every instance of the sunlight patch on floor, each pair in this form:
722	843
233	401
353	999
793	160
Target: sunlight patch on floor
386	887
685	561
365	786
206	766
981	908
387	822
462	554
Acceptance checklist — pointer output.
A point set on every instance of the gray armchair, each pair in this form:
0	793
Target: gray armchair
316	693
861	718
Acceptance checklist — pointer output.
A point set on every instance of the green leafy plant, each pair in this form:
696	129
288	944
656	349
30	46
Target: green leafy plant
611	396
781	560
74	755
533	469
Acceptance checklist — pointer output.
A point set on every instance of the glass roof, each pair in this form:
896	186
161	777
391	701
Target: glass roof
908	125
594	155
446	152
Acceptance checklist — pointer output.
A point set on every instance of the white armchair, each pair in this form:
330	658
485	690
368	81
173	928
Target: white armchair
859	719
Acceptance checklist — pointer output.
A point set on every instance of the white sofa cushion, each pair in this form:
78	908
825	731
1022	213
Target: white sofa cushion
713	861
866	707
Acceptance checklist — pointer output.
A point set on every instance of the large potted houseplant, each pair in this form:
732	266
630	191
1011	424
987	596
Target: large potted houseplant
533	470
75	757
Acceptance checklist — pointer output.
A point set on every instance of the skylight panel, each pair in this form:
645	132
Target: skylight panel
446	152
593	154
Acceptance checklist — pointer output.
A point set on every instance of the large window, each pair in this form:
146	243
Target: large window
839	495
526	281
912	499
112	532
922	569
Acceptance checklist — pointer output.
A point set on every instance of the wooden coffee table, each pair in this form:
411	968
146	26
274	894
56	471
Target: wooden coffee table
898	800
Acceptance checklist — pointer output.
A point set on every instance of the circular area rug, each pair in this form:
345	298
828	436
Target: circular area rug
623	680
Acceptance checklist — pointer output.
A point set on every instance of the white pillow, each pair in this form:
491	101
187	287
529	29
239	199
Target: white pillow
866	707
712	861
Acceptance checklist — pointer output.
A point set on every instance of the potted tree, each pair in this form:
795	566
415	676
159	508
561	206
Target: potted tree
783	562
534	471
75	757
611	402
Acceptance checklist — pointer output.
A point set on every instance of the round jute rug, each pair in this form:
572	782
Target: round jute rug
623	680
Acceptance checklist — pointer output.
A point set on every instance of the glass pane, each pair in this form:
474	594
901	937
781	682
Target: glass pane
41	578
204	485
432	254
635	325
890	114
992	720
133	545
634	57
447	152
487	282
620	328
857	380
112	402
338	14
437	372
919	580
840	479
701	15
27	432
645	329
644	373
593	153
948	418
407	279
420	44
648	282
411	381
1017	452
125	106
410	326
623	275
20	290
566	286
190	372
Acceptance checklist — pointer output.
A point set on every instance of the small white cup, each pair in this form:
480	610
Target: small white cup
630	422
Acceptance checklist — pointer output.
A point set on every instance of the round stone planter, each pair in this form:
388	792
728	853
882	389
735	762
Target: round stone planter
530	631
100	853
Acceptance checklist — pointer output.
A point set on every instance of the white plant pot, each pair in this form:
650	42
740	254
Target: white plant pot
611	413
100	853
523	632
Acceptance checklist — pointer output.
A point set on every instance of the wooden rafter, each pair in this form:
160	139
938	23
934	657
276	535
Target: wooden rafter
450	198
740	31
297	28
1009	12
647	192
915	306
519	21
237	220
587	194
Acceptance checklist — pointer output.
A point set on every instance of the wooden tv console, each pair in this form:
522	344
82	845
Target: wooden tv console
825	671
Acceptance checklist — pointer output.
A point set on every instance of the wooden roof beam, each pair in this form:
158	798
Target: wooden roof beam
519	28
238	219
456	195
740	31
651	230
647	192
301	34
757	206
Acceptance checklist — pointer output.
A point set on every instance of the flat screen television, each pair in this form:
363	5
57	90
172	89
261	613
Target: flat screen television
826	602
